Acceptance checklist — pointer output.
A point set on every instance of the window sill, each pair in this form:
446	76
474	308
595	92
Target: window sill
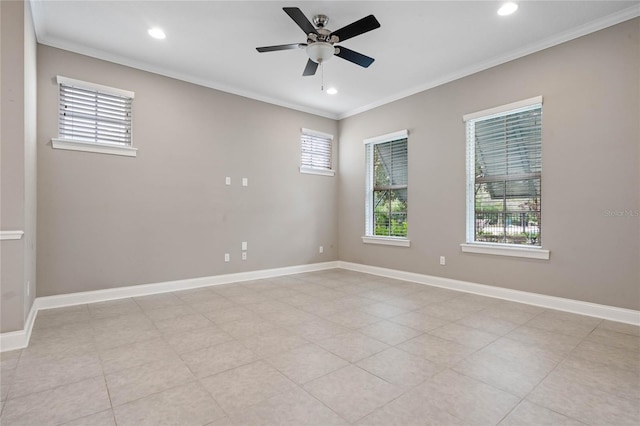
99	148
387	241
506	250
321	172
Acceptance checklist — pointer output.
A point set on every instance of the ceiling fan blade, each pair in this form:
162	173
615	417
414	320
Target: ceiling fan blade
311	68
362	26
355	57
299	18
281	47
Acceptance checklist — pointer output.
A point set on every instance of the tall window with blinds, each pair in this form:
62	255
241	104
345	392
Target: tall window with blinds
94	114
387	185
504	170
316	152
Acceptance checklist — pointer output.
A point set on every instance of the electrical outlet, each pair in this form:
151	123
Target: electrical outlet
442	260
244	246
321	249
227	257
244	255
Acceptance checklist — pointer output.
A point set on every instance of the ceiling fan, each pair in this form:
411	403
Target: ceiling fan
320	41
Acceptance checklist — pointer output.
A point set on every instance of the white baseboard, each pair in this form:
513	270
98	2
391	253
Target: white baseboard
20	339
61	300
612	313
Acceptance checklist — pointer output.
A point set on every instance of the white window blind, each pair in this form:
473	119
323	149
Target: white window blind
504	171
93	113
316	150
387	185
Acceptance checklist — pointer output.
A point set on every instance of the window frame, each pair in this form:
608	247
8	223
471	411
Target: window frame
493	248
308	169
67	143
370	237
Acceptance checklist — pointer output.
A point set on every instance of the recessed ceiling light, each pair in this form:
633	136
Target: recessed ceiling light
507	9
157	33
332	90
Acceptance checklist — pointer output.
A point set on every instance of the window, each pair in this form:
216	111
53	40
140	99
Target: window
504	170
315	153
386	186
94	118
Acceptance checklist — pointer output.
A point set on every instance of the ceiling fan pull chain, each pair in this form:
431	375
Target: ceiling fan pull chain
322	73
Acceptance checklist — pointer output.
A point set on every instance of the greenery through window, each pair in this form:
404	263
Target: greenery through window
387	162
507	170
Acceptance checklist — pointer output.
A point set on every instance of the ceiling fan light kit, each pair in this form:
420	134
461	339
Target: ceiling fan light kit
320	45
320	51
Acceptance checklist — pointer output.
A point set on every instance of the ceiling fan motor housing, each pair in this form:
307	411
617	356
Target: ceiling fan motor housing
320	46
322	35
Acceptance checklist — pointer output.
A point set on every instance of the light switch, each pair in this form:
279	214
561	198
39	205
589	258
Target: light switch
244	245
245	182
227	180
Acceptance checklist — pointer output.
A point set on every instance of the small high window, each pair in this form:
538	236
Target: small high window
316	153
94	118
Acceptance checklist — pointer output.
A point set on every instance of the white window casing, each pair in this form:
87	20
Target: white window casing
390	151
94	118
504	173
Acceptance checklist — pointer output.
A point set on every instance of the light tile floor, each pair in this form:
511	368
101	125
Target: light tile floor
323	348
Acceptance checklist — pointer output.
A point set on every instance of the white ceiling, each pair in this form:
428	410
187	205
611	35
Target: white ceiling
419	45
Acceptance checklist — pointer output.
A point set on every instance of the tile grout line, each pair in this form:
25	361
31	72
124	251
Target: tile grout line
564	357
15	369
322	402
104	375
489	384
261	358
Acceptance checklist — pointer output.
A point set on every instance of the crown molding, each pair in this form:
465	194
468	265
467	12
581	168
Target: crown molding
593	26
582	30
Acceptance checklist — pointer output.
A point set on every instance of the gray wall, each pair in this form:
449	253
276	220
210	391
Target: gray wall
30	158
107	221
12	167
18	168
591	164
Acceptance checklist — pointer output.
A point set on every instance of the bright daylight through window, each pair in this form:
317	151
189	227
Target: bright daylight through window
387	185
504	169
